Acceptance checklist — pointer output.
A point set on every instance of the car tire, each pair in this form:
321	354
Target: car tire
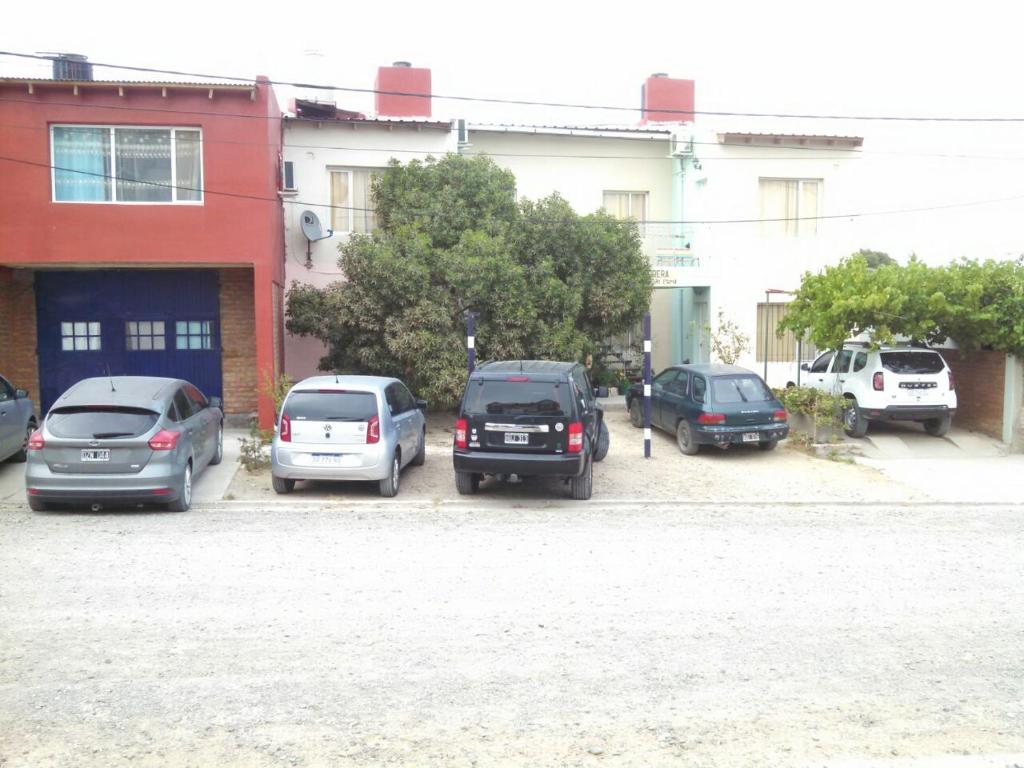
389	485
604	441
854	423
282	485
768	445
467	483
582	486
684	439
218	457
184	500
37	505
636	413
938	427
22	456
421	455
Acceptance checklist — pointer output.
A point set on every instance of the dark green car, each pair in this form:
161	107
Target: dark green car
711	404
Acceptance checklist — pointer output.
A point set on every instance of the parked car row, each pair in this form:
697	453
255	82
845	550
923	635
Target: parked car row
135	439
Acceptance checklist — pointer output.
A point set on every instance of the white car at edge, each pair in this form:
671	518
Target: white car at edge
891	383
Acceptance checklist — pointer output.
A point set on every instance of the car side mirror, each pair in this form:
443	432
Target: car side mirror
805	367
600	391
421	405
20	394
216	402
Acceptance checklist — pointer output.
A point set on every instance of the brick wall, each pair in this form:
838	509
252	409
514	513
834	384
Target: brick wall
18	330
238	340
980	382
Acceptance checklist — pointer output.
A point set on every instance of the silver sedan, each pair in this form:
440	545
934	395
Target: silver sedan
17	421
124	440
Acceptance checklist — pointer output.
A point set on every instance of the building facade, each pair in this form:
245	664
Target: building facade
141	233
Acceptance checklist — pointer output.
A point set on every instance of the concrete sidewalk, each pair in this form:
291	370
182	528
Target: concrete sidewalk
211	485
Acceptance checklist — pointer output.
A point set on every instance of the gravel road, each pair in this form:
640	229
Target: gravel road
495	634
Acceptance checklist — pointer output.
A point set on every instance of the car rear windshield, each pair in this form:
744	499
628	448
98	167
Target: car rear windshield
739	389
100	422
912	362
331	405
513	396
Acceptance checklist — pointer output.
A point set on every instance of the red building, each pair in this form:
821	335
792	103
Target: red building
141	233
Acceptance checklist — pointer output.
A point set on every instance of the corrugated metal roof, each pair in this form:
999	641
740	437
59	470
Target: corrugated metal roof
128	83
571	130
407	121
761	138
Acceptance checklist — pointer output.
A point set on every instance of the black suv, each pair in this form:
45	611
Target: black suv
530	418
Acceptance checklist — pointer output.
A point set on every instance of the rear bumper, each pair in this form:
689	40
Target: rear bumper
295	463
713	435
525	465
908	412
157	483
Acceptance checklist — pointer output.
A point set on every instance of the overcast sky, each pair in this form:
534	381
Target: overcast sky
865	57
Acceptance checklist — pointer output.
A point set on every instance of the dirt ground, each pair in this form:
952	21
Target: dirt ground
743	474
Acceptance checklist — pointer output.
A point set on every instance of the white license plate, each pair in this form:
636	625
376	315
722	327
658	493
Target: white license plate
326	460
517	438
101	454
751	437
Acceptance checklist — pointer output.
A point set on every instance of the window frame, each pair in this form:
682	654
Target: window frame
88	335
111	129
641	223
138	335
350	209
795	219
212	335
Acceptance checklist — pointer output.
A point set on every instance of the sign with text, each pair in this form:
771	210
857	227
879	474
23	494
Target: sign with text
673	267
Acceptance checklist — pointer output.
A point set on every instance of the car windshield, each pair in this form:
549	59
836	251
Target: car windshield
739	389
331	405
510	397
100	422
912	362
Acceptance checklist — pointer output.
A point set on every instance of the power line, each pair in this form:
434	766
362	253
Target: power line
642	222
551	104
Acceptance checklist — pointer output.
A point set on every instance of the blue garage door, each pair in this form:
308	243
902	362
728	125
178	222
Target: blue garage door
130	322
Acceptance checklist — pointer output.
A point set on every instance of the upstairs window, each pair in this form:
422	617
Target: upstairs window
120	164
352	201
627	205
789	207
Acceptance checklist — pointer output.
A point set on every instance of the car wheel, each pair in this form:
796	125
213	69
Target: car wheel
389	485
938	427
768	445
184	500
467	483
636	414
282	485
603	442
22	456
582	486
37	505
218	457
854	423
421	455
684	439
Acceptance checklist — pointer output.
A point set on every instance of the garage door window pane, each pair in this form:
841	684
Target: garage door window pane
144	335
193	334
79	336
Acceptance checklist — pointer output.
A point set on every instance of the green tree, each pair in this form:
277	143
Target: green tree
545	281
875	259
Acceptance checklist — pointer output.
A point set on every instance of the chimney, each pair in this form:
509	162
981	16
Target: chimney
664	99
402	77
71	66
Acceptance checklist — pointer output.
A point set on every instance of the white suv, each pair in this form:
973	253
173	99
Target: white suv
897	383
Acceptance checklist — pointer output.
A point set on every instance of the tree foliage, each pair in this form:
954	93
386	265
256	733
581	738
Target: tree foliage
977	304
544	281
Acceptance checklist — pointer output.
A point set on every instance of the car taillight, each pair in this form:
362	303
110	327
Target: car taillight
36	442
878	382
781	416
952	382
711	418
285	432
373	430
461	431
576	437
164	440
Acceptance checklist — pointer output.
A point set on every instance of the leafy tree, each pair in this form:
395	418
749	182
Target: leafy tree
544	281
875	259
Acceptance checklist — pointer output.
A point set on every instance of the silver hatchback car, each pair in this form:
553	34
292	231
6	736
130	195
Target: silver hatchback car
348	428
124	440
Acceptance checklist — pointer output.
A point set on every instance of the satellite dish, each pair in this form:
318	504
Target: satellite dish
311	227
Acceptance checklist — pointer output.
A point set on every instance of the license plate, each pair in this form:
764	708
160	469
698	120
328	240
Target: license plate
751	437
517	438
101	454
326	459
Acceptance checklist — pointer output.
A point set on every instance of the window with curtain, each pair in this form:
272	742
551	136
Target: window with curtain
96	164
352	200
627	205
788	207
